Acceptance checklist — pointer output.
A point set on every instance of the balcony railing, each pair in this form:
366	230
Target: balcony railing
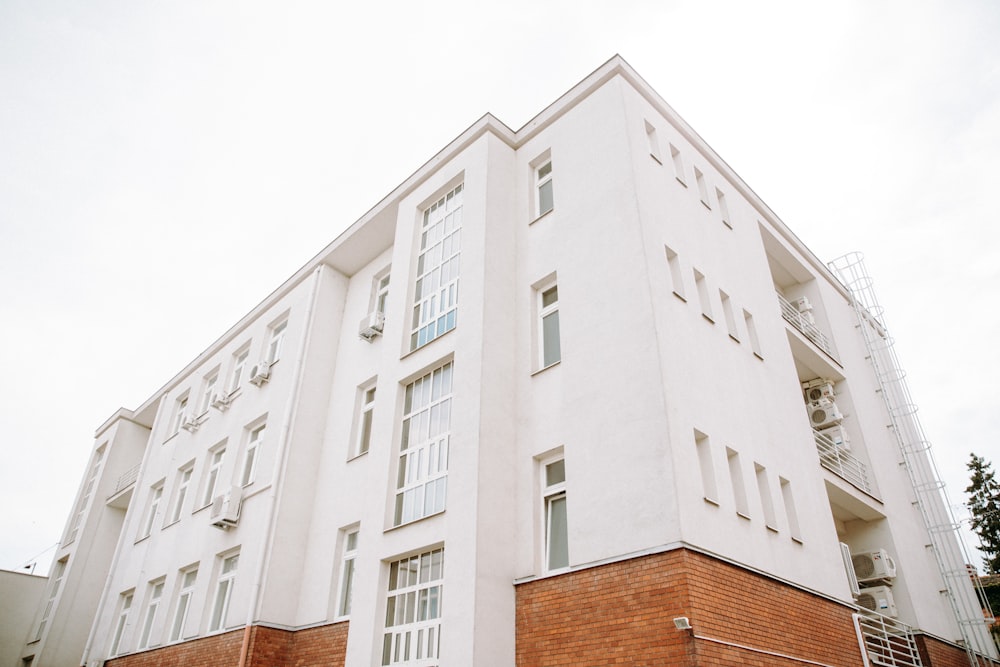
841	462
886	642
125	480
804	324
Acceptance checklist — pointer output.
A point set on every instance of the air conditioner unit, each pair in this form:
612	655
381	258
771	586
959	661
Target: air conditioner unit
873	566
878	599
221	402
824	413
817	390
837	435
371	325
191	424
802	304
260	373
226	508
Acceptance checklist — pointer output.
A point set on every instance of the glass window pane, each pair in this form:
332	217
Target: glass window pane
545	200
558	541
550	339
555	472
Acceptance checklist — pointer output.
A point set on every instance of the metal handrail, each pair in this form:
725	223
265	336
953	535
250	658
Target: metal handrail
841	462
126	479
804	325
886	642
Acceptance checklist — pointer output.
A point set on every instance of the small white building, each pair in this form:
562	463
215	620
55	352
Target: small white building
570	394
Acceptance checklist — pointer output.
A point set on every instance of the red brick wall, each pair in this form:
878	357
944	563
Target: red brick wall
935	653
321	646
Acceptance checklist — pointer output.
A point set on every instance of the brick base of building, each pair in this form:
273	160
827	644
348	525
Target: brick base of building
266	647
623	613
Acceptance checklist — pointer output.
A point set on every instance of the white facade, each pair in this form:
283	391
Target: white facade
659	370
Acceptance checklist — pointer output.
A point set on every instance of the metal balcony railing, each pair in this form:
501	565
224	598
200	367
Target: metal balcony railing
804	324
886	642
841	462
126	479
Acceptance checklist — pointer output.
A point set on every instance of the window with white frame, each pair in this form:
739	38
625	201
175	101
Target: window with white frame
223	592
413	610
124	607
207	389
254	440
155	495
180	495
435	306
55	578
548	324
239	367
216	457
380	288
556	524
366	411
422	478
545	201
277	338
348	556
180	412
84	501
155	593
188	578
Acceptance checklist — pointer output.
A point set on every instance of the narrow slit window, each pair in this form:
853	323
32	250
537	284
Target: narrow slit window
790	512
654	144
188	579
766	501
739	485
365	415
752	335
556	526
703	296
676	276
348	558
723	208
675	156
707	467
543	177
727	312
548	323
699	179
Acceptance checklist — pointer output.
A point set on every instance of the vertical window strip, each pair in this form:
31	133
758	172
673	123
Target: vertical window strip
654	144
188	579
790	511
212	480
766	500
365	416
543	177
155	594
556	516
727	312
676	276
707	467
413	610
183	482
739	485
223	593
675	156
350	554
703	296
435	307
549	325
421	486
252	454
723	208
752	335
125	606
56	578
699	179
84	502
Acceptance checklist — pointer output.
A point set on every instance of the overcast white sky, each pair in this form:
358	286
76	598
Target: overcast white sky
166	165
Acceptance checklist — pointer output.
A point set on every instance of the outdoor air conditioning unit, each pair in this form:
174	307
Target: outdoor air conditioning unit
873	566
802	304
221	401
824	413
260	373
191	424
226	508
837	435
817	390
371	326
878	599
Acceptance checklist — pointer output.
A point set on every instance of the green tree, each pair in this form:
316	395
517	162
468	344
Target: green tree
984	503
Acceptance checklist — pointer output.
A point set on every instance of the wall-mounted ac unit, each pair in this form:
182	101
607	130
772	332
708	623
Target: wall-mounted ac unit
191	424
226	508
371	326
823	414
817	390
260	373
837	435
878	599
221	401
873	566
802	304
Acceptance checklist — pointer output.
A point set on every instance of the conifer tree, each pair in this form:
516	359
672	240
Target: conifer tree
984	503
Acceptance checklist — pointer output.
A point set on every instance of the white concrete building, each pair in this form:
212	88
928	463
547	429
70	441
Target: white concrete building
549	395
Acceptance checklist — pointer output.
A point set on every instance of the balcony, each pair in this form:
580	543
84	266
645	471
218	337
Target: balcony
842	463
805	324
122	494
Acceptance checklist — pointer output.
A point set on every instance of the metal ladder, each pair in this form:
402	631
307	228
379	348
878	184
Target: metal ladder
964	592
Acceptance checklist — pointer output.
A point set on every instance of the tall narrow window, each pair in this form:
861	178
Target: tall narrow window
207	389
350	553
699	178
277	339
766	501
543	181
365	414
723	208
707	467
556	524
188	579
676	277
422	478
252	454
155	495
727	312
678	161
124	606
212	476
183	482
84	501
752	334
239	365
381	286
180	412
739	486
548	316
790	512
654	144
703	296
435	307
413	610
155	593
56	578
223	592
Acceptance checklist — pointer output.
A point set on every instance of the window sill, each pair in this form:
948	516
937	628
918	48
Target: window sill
681	181
543	215
734	338
711	501
408	353
709	318
357	456
743	516
758	355
705	204
797	540
142	539
727	223
771	528
656	159
545	368
415	521
680	296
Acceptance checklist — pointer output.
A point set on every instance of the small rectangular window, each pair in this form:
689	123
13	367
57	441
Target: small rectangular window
366	412
252	455
699	178
739	486
556	524
727	312
223	592
678	161
380	287
207	390
155	593
181	492
707	467
790	512
752	334
155	495
216	457
187	581
348	557
654	144
723	208
239	366
277	339
676	277
548	325
766	501
180	414
124	606
543	181
703	296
